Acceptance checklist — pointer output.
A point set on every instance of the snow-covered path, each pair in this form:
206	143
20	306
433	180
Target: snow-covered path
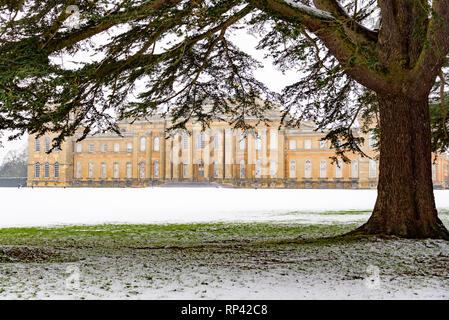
51	206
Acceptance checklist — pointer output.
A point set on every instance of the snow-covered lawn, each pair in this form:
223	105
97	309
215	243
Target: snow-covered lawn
51	206
213	243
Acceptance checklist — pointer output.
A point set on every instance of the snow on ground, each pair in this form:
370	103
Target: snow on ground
55	206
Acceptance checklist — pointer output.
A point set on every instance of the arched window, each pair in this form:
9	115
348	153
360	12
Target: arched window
142	143
46	170
156	143
156	169
242	142
201	140
308	169
91	169
242	169
323	169
258	169
37	170
338	168
372	168
258	142
56	169
273	169
292	168
185	142
128	170
142	170
47	144
354	168
37	145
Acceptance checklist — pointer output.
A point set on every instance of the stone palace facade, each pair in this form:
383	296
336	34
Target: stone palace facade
144	156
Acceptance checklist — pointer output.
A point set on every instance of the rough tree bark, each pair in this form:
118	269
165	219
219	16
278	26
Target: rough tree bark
405	203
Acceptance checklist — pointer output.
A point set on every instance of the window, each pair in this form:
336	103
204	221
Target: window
37	145
142	143
37	170
46	170
354	169
103	170
156	169
201	169
322	144
91	147
115	170
339	143
185	169
56	169
292	169
258	142
242	142
128	170
142	170
91	170
273	140
47	144
129	147
323	169
215	169
258	169
308	144
372	140
78	169
372	168
201	141
242	169
104	147
185	143
434	171
292	144
216	141
308	169
273	169
79	147
339	168
156	143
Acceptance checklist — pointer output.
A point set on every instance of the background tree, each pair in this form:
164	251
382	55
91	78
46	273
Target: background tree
354	59
14	164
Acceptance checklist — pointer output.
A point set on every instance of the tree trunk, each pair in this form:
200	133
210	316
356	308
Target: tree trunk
405	205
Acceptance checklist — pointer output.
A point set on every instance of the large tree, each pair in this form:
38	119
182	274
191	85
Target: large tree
361	59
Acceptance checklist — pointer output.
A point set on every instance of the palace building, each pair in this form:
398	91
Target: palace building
144	155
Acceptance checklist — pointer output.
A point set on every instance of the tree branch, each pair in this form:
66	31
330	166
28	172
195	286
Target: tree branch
434	54
333	34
